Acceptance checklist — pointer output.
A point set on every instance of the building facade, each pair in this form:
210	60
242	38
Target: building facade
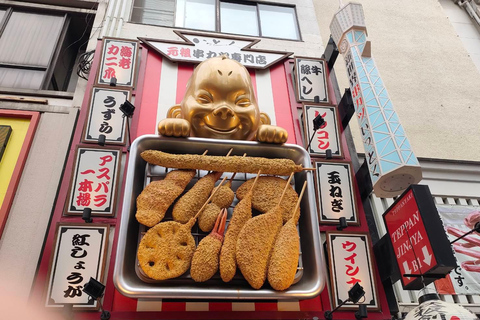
427	54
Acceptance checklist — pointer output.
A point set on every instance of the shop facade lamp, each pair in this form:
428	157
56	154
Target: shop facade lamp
87	215
362	312
318	123
94	289
354	295
113	82
101	140
328	154
127	109
342	224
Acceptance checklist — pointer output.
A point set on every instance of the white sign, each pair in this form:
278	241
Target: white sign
458	220
311	80
351	262
335	192
199	47
327	137
104	116
119	59
94	181
79	253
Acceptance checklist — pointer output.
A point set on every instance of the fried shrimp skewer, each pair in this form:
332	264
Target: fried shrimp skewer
166	250
282	167
255	243
158	196
284	261
191	201
241	214
205	259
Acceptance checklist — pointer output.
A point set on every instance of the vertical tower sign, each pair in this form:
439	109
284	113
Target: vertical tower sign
391	161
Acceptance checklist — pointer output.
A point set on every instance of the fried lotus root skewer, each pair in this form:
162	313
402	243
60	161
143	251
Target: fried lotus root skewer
241	214
205	259
255	244
158	196
282	167
166	250
267	194
222	199
284	261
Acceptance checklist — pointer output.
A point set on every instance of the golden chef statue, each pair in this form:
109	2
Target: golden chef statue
220	103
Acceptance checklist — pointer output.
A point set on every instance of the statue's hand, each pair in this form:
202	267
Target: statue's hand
271	134
174	127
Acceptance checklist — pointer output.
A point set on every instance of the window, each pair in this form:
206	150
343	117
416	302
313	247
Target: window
250	19
38	50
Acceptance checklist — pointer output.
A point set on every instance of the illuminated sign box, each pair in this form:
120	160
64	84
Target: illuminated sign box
419	241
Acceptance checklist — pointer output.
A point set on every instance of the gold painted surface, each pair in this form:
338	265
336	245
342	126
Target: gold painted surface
220	103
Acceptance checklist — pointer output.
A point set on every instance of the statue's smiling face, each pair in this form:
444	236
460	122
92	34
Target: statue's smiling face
220	101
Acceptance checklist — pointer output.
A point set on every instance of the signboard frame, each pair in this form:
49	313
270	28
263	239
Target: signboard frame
86	131
116	176
354	220
307	124
102	259
330	237
101	65
435	234
297	72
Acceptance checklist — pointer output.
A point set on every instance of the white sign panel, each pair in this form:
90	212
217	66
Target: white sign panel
94	181
335	192
458	220
327	137
199	47
351	262
311	80
119	59
104	116
79	254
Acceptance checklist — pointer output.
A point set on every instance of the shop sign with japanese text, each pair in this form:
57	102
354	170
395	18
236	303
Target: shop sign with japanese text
79	253
350	261
327	137
335	192
119	59
418	239
198	47
94	181
104	116
311	81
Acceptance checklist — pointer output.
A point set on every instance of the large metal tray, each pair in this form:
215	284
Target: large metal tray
130	281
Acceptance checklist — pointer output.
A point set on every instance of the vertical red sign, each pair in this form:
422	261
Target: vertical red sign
410	241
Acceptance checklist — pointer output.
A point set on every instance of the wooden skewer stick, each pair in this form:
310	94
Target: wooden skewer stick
296	216
205	152
309	169
285	189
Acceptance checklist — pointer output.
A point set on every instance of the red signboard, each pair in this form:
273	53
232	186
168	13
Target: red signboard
416	233
409	238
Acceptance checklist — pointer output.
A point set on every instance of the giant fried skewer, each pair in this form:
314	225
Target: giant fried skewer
205	258
284	261
255	243
223	199
159	195
166	250
241	214
282	167
191	201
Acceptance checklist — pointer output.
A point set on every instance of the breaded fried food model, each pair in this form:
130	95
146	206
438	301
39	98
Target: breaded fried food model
284	260
166	250
255	244
241	214
223	199
190	202
158	196
267	194
281	167
206	256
